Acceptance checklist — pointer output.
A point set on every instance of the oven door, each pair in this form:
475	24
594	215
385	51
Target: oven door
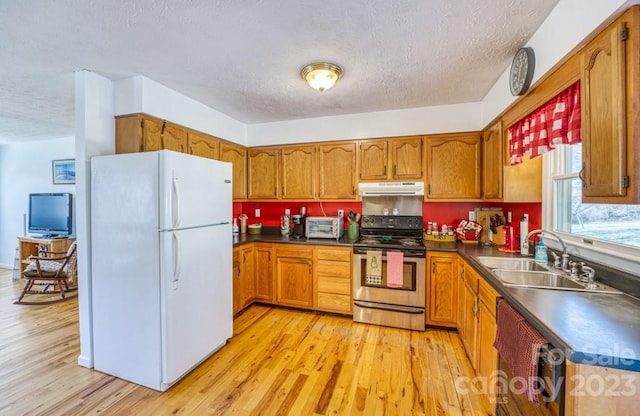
396	307
412	292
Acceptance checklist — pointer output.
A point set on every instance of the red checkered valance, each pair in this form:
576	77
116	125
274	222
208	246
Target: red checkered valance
556	122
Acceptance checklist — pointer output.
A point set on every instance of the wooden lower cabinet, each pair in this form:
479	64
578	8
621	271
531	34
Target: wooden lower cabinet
468	310
303	276
236	280
333	275
294	275
477	326
442	290
487	330
263	272
243	278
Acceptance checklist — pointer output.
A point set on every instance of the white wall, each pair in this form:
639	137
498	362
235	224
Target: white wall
569	23
424	120
140	94
95	135
26	168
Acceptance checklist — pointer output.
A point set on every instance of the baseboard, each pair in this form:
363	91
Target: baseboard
85	361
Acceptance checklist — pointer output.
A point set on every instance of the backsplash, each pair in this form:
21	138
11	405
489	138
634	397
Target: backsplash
442	212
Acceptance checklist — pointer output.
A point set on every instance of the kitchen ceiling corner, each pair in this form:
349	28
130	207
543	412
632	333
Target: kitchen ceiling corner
243	58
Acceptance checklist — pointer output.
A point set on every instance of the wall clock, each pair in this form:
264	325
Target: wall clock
522	71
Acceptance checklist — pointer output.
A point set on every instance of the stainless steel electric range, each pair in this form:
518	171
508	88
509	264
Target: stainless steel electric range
376	300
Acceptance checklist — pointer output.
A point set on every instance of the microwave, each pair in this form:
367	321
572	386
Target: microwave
324	227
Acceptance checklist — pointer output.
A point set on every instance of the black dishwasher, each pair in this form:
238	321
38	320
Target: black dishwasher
551	371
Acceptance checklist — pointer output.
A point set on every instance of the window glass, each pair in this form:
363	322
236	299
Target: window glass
609	222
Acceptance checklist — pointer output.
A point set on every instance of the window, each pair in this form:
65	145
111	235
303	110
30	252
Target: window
597	228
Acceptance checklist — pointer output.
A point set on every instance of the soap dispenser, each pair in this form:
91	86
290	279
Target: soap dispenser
541	255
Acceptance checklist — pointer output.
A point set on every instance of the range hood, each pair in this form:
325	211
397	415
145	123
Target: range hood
390	188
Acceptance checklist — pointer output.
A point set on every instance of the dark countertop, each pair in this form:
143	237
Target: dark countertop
592	328
241	239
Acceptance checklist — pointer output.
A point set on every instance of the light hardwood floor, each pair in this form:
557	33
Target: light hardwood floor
279	362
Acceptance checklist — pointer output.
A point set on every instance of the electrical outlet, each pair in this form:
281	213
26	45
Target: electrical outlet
257	212
287	212
472	215
340	213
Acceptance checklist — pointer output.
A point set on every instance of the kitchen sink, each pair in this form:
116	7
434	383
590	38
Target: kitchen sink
510	263
548	280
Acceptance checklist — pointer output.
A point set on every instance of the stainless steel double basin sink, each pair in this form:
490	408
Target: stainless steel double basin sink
524	272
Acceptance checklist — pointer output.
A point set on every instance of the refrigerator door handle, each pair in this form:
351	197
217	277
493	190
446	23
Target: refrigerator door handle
177	258
175	201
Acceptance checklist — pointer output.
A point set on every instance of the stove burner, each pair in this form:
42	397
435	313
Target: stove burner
369	241
409	242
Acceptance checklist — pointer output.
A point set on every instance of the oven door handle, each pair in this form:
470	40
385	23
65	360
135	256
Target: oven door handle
388	307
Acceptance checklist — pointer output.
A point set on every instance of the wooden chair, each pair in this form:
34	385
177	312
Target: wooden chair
51	274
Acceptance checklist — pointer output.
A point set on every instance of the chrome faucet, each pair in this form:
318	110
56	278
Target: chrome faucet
524	250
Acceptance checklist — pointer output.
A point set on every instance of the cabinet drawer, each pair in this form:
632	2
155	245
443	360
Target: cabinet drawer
294	251
488	296
334	254
334	285
335	303
334	268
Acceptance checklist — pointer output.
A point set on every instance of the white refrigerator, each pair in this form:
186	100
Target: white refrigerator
161	264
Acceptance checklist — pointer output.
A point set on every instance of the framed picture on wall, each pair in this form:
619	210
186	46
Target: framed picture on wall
64	171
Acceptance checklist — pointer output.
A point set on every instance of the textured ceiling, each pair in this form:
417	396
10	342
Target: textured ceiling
243	57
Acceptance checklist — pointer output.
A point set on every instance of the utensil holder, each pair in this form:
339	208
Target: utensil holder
353	231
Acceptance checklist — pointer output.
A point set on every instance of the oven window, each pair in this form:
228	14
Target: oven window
409	276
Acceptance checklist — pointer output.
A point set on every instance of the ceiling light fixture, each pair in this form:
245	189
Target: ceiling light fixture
321	75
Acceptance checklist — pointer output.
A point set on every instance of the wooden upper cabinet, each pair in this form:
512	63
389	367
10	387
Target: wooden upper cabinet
492	162
203	145
142	133
263	173
337	171
606	142
237	156
373	160
298	170
453	166
173	137
406	158
391	159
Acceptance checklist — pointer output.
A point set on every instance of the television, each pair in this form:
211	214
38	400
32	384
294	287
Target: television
50	214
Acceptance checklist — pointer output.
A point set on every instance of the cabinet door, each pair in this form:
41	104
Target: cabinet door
173	137
237	156
247	276
203	145
406	158
263	173
604	122
487	355
294	276
337	167
470	314
453	166
298	166
237	287
264	273
152	132
492	162
441	291
373	160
